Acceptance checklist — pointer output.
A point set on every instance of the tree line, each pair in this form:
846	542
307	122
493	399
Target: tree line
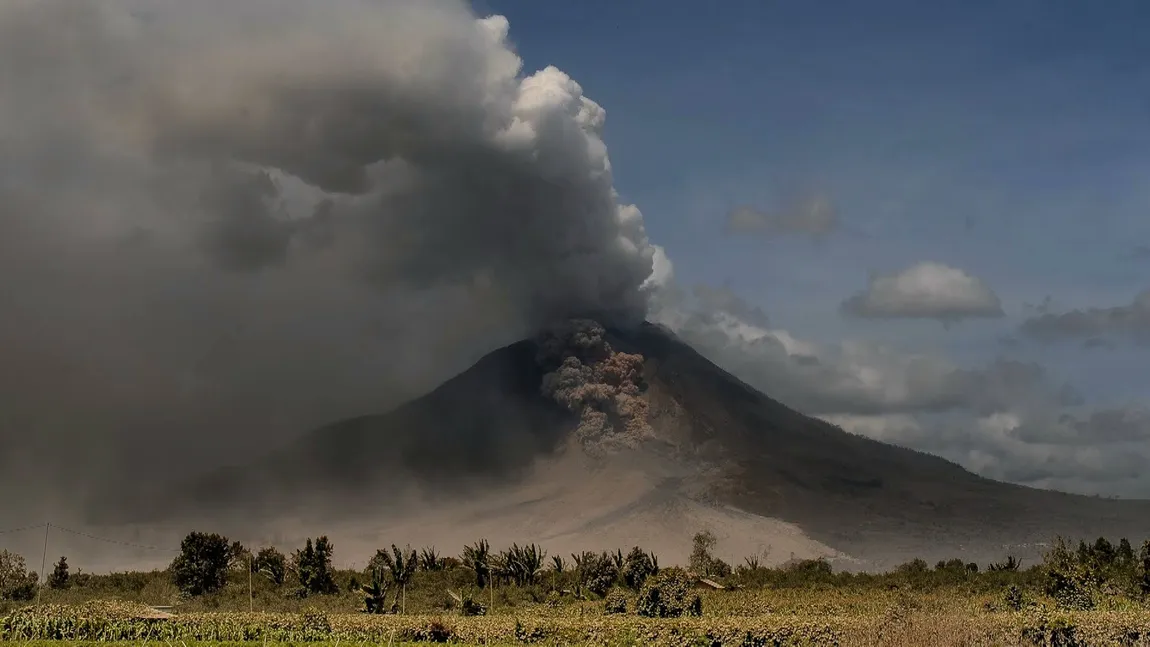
1074	576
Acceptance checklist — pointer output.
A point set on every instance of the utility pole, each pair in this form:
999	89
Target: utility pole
43	562
251	604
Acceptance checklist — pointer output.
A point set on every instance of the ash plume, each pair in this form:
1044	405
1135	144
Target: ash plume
602	385
225	222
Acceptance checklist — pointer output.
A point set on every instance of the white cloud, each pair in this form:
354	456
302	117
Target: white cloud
925	291
851	377
1006	420
814	216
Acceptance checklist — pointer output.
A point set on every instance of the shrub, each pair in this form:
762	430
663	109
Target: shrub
1013	598
313	568
471	607
16	582
596	572
375	594
272	564
668	595
637	567
1069	580
615	602
314	624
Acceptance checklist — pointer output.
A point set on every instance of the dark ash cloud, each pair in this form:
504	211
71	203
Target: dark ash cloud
232	221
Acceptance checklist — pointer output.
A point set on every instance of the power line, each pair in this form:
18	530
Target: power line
113	541
22	528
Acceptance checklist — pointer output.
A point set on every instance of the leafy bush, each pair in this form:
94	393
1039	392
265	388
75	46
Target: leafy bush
615	602
472	607
16	582
314	624
272	564
668	595
1068	580
313	568
637	567
375	594
1013	598
202	565
596	571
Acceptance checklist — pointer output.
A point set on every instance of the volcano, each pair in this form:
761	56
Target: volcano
488	453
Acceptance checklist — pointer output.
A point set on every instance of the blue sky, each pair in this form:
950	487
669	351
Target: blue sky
1008	140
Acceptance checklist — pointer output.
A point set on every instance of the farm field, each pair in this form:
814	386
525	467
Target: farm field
735	618
219	593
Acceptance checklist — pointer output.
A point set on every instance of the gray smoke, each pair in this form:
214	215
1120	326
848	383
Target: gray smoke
597	382
223	222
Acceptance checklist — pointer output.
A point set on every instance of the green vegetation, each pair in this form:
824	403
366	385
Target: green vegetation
16	582
1092	593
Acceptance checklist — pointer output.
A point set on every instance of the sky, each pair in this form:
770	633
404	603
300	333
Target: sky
226	223
1006	141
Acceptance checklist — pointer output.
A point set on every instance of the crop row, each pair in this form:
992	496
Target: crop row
107	622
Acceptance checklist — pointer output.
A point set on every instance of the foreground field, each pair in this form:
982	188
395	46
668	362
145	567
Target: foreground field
1095	594
730	618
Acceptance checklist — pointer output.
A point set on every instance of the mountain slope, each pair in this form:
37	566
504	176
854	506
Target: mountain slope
860	495
718	446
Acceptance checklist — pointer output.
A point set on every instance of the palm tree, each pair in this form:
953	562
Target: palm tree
521	564
477	558
429	560
402	565
557	564
375	594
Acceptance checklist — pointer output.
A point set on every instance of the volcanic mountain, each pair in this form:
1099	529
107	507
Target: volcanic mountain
490	453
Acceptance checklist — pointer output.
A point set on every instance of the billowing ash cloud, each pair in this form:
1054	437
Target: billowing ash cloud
925	291
602	385
1128	322
228	220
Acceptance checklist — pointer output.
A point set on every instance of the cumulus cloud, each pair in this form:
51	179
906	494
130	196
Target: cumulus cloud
227	221
925	291
850	377
1007	419
813	216
1093	325
1097	452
